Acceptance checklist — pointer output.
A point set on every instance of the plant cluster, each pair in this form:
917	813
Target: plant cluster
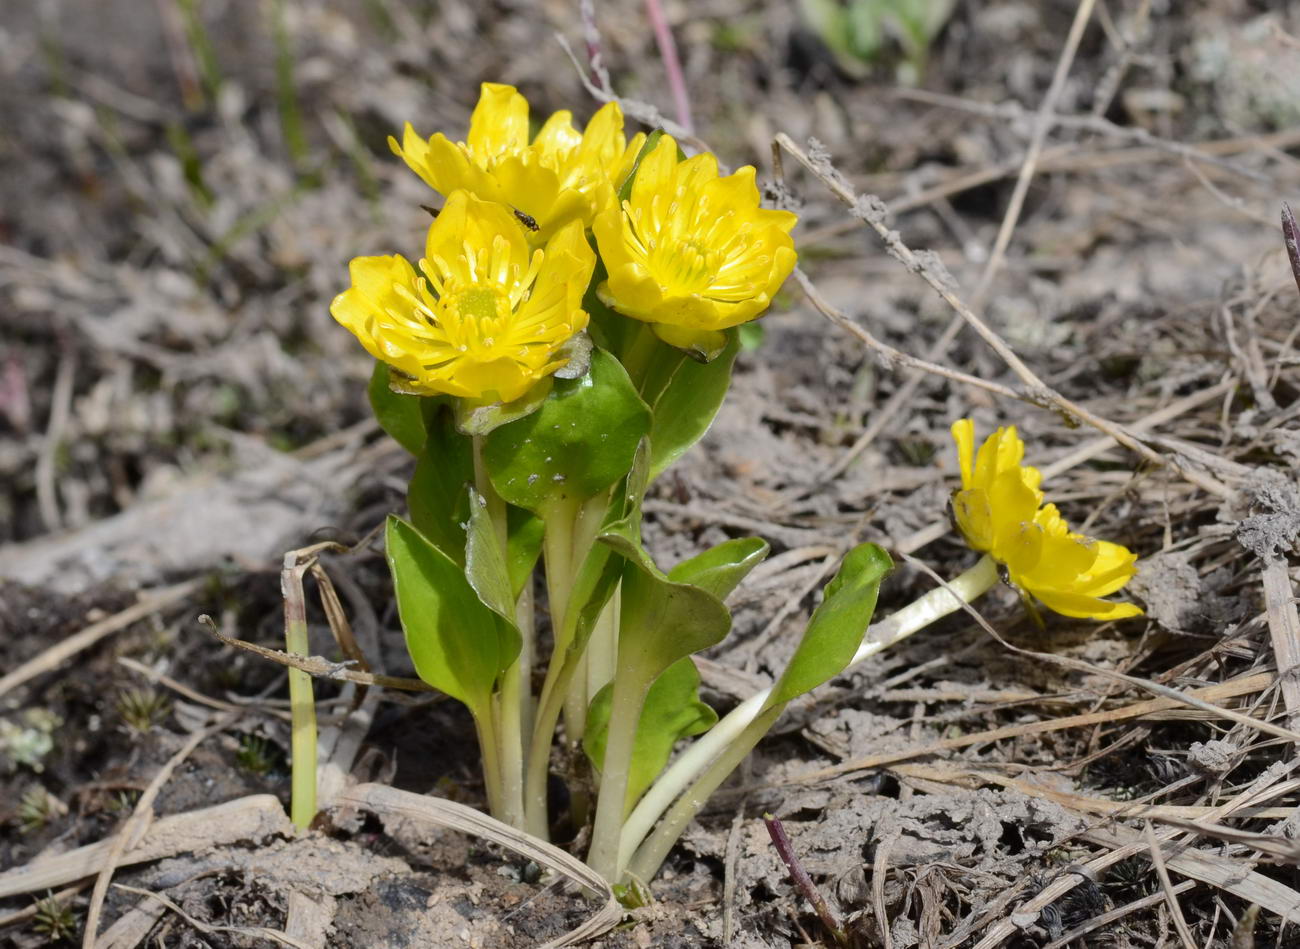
568	333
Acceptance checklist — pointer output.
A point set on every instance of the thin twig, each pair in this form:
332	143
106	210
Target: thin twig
255	932
1042	124
802	881
595	57
318	666
643	112
672	65
1292	236
1013	112
927	266
892	356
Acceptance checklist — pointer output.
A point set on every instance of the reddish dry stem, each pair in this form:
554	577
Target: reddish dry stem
802	881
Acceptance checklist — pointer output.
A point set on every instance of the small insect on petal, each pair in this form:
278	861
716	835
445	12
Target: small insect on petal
468	323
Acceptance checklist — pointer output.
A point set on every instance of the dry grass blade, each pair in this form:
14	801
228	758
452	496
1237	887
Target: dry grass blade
1283	849
1145	684
1067	939
1222	872
132	927
27	912
56	655
384	801
1175	911
1231	689
1178	815
1284	629
255	817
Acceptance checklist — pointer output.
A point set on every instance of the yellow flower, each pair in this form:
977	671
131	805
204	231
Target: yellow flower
484	317
999	509
692	253
563	175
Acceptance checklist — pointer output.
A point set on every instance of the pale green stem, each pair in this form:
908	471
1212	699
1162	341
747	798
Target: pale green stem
576	702
525	619
539	749
624	715
509	705
917	615
487	743
557	553
637	358
650	855
511	744
586	525
602	650
302	712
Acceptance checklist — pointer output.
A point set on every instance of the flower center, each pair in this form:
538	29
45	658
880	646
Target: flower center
480	303
686	265
481	319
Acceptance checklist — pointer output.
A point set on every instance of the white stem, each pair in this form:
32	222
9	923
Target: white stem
917	615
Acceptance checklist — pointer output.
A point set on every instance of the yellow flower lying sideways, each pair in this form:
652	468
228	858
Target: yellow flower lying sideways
484	317
563	175
999	509
692	253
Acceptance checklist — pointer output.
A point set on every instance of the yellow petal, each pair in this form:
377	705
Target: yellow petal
1080	606
557	135
499	123
703	345
963	433
373	305
655	175
1013	504
632	291
974	516
612	234
623	167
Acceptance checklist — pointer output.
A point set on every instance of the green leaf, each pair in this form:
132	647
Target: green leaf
485	561
580	442
751	335
720	569
474	418
672	711
625	187
436	496
837	626
399	415
525	531
687	406
661	621
457	644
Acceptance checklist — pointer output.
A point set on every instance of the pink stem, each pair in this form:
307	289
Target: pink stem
672	66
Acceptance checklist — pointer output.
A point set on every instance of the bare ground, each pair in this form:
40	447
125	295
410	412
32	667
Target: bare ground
176	406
